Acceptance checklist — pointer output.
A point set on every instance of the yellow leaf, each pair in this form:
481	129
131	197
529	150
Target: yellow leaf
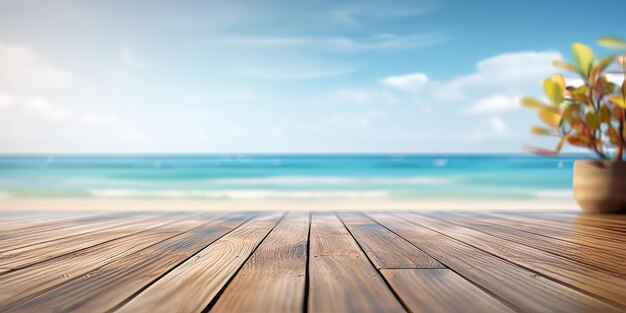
550	116
618	100
553	90
612	42
583	56
603	63
532	103
565	65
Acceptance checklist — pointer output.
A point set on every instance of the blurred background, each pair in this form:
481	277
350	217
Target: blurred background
276	100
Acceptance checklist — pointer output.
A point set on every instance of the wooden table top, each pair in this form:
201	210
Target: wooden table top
312	262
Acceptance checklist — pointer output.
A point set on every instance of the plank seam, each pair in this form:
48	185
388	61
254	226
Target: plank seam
230	279
142	289
597	297
489	292
305	302
404	306
505	227
37	294
75	251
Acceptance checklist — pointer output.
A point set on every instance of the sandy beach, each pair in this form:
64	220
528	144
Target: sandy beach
242	205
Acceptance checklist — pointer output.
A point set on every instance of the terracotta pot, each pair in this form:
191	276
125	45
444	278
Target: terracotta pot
600	186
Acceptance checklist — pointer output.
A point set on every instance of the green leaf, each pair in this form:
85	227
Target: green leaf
604	62
612	42
605	114
537	130
553	88
532	103
593	120
583	56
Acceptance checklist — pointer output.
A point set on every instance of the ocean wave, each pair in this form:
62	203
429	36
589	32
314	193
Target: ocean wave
330	180
5	195
238	194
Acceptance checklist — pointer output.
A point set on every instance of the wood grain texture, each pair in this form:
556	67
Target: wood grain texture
571	233
103	289
192	285
40	277
583	277
24	236
30	254
384	248
587	254
341	277
160	261
520	287
440	290
610	225
273	279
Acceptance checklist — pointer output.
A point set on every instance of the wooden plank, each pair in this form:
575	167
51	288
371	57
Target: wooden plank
61	230
105	288
341	278
611	220
191	286
440	290
591	280
602	224
588	255
37	278
31	254
37	226
564	232
273	279
17	220
384	248
520	287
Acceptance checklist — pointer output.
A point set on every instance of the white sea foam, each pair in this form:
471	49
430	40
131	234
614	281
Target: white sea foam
557	194
238	194
5	195
329	180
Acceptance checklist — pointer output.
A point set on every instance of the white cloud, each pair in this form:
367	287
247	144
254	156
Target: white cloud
494	128
45	109
127	56
508	72
22	68
492	104
498	126
411	82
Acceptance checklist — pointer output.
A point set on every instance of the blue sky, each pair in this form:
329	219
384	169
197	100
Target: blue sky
282	76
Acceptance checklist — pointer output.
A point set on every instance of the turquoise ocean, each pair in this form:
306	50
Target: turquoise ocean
288	177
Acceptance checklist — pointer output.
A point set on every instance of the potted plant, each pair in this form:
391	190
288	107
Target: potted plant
589	114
